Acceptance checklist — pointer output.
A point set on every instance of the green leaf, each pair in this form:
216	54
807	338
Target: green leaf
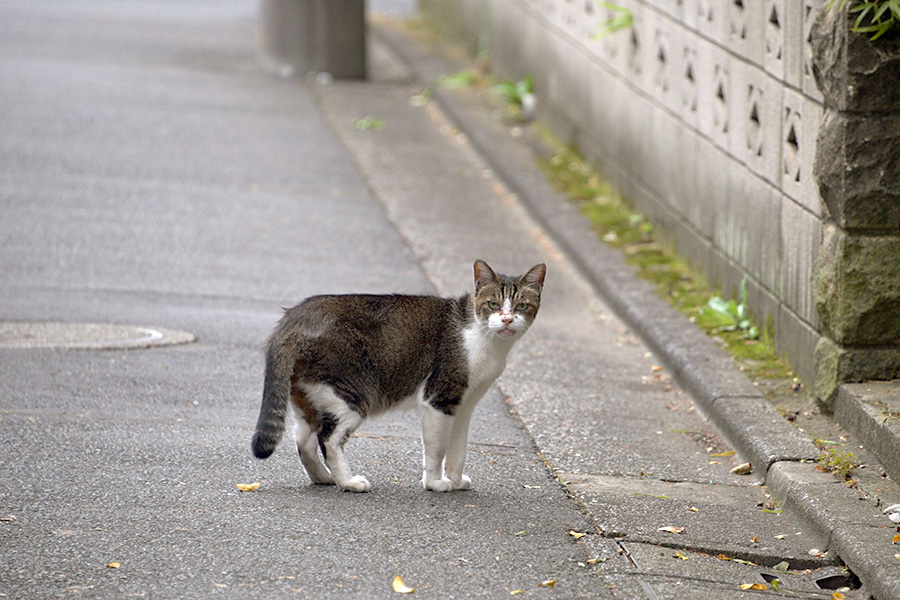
623	19
720	306
884	29
884	8
525	86
506	89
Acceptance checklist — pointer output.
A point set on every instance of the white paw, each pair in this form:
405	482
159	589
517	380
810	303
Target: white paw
439	485
445	484
357	483
465	482
322	479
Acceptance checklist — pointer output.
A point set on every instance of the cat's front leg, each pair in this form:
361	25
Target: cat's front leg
455	460
436	428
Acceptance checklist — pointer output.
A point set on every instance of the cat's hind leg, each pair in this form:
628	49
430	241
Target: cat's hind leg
306	439
337	421
334	434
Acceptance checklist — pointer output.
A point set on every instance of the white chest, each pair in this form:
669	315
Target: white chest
486	355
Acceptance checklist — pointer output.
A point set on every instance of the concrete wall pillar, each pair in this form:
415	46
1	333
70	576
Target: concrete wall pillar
319	36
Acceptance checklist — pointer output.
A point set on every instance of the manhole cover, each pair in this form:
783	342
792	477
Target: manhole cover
87	336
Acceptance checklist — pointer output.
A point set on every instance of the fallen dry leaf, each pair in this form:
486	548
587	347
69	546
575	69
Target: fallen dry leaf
549	583
722	557
678	554
113	565
400	587
742	469
656	368
754	586
837	596
577	534
248	487
516	592
896	539
721	454
671	529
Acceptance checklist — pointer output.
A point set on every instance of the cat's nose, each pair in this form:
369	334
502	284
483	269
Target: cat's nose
506	318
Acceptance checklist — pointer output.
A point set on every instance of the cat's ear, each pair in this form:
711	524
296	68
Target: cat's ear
534	277
483	275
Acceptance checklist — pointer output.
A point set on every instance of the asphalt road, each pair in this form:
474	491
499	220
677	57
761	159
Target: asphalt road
151	174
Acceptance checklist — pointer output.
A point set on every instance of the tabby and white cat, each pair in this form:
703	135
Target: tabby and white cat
340	359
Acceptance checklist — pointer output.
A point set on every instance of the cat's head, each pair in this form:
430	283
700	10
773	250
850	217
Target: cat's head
507	305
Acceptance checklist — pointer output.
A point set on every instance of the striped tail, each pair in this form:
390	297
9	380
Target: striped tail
276	391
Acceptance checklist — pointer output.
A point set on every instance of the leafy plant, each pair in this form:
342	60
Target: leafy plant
732	315
622	18
515	92
521	98
882	15
837	462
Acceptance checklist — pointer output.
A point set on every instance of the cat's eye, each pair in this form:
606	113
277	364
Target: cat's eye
522	306
493	305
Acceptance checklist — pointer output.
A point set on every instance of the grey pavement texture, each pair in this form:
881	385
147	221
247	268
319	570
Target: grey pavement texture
779	453
153	175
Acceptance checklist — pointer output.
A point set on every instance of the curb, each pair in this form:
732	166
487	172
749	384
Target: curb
859	533
870	411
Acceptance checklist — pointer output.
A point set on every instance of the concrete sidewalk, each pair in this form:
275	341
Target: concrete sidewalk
852	521
154	179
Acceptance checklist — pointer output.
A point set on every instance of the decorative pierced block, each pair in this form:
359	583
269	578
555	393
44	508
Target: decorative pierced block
712	20
745	29
756	134
811	10
714	94
688	85
739	26
793	169
801	117
774	37
721	107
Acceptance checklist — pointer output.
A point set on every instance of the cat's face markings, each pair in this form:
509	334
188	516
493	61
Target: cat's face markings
507	305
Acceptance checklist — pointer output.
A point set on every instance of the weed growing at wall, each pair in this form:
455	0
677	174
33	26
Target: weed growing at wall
872	16
620	18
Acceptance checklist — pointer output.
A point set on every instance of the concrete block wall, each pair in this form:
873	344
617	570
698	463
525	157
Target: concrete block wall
704	114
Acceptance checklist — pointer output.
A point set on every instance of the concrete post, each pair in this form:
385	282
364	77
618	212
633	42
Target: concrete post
319	36
857	167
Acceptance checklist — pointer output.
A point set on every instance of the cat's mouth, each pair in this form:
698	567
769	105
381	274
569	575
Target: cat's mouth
506	332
